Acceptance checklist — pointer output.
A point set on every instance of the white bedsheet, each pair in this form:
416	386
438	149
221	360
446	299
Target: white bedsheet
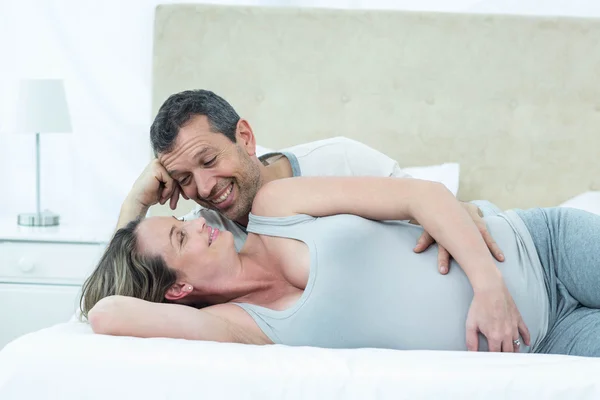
68	362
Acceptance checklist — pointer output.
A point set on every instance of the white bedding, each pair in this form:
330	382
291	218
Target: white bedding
69	362
587	201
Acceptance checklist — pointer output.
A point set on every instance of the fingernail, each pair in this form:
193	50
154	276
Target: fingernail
443	269
501	256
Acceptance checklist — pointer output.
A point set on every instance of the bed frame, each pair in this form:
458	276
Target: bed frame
514	100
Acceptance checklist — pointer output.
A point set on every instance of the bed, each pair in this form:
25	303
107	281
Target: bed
515	101
68	362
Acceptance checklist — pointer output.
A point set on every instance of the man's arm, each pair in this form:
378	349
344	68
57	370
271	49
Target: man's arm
153	186
366	161
431	203
130	210
493	311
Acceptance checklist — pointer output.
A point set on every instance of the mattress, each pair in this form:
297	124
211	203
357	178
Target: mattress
67	361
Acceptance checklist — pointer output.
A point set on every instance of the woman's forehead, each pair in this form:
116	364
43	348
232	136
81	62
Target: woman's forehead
154	231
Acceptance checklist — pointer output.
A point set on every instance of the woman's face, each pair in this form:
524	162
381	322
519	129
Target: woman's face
199	253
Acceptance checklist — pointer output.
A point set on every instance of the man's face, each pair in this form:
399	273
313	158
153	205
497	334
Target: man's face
212	170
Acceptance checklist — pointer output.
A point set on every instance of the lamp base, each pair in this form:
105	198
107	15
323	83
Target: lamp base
45	218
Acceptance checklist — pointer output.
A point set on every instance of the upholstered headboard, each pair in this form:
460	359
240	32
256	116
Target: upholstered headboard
514	100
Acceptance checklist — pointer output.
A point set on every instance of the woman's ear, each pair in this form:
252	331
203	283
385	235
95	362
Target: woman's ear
178	291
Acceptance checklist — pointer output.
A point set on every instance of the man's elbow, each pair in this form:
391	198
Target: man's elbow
104	316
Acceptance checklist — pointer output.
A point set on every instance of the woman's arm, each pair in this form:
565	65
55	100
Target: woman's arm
129	316
380	198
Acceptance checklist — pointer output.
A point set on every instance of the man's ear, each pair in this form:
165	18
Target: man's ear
178	291
245	137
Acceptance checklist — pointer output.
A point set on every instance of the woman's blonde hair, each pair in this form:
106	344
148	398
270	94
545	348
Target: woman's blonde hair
124	270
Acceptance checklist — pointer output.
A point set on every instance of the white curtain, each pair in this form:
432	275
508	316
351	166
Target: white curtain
102	49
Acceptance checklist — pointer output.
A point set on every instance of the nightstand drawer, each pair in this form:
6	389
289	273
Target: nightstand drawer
47	262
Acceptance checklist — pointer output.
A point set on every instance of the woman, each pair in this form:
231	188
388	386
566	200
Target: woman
335	268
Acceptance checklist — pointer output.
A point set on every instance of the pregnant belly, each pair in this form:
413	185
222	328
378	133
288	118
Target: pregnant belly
398	299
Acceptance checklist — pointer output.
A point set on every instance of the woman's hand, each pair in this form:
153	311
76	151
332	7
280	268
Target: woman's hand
426	240
493	313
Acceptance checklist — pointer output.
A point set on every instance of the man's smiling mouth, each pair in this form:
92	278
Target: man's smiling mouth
224	196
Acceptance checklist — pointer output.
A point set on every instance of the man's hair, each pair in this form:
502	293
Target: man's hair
124	270
179	108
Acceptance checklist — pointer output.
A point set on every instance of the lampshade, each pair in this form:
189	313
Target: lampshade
42	107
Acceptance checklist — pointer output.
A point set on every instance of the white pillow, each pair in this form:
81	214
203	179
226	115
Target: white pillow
588	201
447	174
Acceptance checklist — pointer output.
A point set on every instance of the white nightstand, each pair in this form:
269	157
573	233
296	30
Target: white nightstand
41	273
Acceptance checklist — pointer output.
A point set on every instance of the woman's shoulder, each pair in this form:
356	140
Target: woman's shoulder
291	219
240	323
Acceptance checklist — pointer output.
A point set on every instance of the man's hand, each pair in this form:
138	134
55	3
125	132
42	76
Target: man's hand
154	185
494	314
444	257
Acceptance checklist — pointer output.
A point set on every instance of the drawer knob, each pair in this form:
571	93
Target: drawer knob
26	264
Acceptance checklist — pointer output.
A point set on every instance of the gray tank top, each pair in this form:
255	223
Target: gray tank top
367	288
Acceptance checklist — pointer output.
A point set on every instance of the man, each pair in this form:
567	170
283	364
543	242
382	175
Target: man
207	153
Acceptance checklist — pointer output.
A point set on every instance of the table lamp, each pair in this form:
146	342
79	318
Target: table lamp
42	108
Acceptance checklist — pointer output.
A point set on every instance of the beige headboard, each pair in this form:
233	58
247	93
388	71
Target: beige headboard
514	100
